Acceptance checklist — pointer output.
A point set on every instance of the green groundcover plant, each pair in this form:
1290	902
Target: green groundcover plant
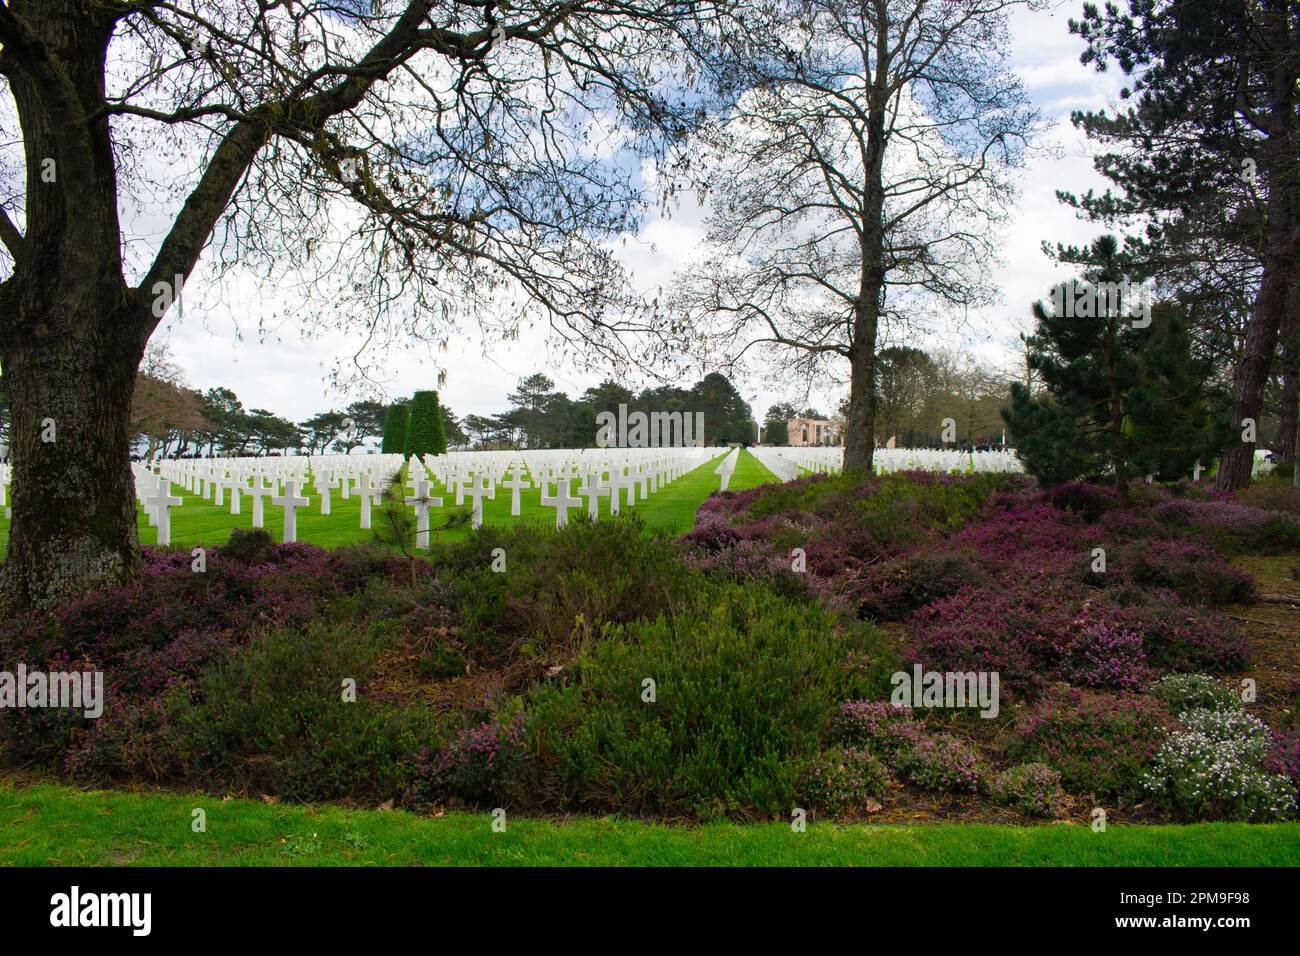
601	668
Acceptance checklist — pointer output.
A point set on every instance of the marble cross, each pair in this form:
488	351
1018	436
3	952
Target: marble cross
478	491
422	502
290	501
561	501
162	501
516	483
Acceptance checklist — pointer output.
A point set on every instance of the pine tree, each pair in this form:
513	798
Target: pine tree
1205	158
1122	395
397	422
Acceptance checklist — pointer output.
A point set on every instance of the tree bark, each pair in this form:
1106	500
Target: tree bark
73	501
859	431
1285	445
1282	244
860	428
1287	420
1251	374
71	332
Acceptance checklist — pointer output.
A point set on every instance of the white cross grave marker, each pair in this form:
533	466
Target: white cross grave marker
422	502
478	492
259	492
515	484
162	501
561	501
370	494
290	501
592	491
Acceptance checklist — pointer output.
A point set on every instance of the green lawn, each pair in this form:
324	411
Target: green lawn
53	825
199	521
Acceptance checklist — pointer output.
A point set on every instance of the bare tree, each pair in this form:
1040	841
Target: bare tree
163	404
417	160
859	181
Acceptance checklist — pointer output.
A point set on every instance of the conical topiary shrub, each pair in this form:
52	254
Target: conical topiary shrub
426	434
397	421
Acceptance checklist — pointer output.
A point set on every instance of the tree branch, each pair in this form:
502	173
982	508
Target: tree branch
230	162
11	237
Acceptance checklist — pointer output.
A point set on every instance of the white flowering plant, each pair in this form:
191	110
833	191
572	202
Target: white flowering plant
1212	768
1186	692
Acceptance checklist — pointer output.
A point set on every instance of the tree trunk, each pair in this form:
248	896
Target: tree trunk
1281	246
859	429
1252	370
1285	445
71	333
1116	410
73	496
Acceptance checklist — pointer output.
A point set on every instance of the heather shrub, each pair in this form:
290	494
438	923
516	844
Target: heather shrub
593	573
940	762
891	591
133	740
1271	495
1128	524
1184	692
43	734
1033	789
1175	637
806	493
751	560
248	546
1005	534
745	682
1099	743
1231	525
478	765
908	502
273	718
165	631
1213	768
880	727
1195	573
843	780
1095	653
1083	498
1008	628
711	534
1284	757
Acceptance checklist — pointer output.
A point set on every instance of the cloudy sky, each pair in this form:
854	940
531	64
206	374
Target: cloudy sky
215	344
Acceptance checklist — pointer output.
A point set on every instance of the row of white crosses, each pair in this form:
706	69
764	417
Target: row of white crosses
612	474
616	475
727	468
774	460
155	495
263	478
627	473
787	463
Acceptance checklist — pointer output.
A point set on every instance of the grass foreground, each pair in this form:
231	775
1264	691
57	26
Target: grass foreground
47	825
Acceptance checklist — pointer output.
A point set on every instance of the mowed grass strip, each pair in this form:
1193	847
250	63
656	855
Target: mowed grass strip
48	825
199	522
